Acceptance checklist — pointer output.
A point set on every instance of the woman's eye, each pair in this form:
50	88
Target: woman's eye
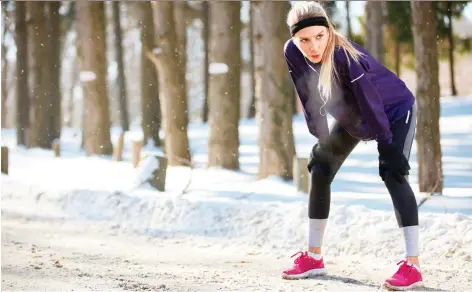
318	37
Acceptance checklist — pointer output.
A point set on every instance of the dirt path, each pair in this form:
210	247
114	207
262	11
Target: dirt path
58	256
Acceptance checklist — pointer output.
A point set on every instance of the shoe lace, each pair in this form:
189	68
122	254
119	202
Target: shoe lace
405	267
302	255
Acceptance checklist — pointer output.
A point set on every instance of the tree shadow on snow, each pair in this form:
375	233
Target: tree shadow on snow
352	281
346	280
429	289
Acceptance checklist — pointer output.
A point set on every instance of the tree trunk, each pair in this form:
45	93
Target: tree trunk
252	69
181	23
374	29
276	139
54	60
224	95
450	37
173	95
398	60
93	75
330	8
348	19
121	67
259	63
426	65
206	63
40	135
22	88
150	106
4	68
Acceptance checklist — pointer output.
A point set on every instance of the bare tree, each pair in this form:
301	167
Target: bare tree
150	105
172	93
22	88
397	48
258	54
181	23
93	75
348	19
252	64
374	29
427	93
5	68
206	63
54	60
276	141
450	38
224	91
121	67
40	135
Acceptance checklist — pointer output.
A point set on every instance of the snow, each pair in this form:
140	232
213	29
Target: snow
218	68
146	168
239	211
86	76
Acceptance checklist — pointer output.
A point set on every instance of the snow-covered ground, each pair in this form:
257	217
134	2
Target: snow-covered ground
92	203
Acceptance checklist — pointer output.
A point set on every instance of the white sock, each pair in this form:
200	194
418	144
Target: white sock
315	256
316	230
411	236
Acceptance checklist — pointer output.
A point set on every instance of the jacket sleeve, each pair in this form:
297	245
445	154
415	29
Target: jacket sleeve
312	106
368	99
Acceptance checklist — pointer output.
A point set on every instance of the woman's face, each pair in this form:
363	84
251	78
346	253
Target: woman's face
312	41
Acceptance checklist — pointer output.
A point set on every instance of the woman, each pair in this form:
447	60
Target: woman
368	102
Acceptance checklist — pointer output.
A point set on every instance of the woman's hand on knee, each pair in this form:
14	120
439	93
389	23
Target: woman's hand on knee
392	160
319	161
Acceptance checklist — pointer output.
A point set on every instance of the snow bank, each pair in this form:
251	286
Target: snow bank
146	168
277	223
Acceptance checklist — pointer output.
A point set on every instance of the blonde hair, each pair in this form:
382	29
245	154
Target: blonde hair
306	9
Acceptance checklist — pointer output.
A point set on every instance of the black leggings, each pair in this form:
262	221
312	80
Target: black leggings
338	147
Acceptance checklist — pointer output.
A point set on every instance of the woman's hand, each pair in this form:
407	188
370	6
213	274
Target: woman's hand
319	160
391	159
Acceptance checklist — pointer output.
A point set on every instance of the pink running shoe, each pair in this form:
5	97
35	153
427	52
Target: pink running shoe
407	277
304	267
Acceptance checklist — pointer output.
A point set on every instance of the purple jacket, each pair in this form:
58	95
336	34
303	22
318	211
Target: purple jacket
365	100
